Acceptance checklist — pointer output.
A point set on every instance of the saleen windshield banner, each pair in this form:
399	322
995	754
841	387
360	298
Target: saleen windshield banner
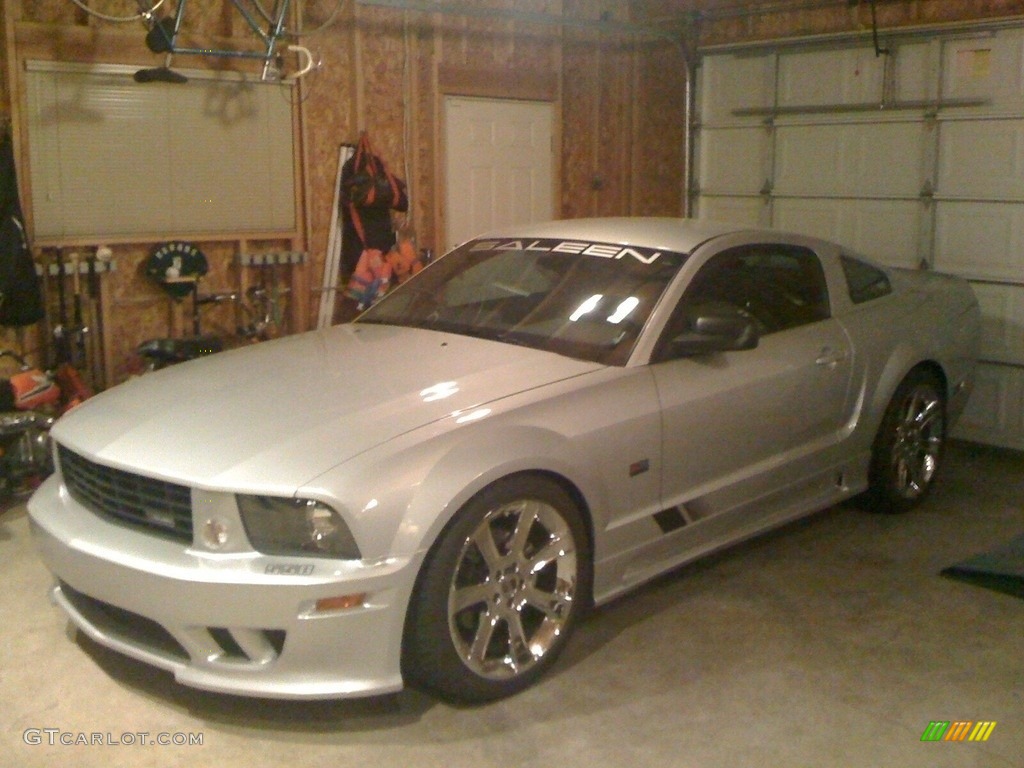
576	247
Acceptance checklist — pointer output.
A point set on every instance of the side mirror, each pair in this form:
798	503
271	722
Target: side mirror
715	327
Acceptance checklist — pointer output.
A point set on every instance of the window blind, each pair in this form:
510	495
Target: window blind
111	158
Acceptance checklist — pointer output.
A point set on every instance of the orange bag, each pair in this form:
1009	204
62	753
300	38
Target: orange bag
371	278
404	260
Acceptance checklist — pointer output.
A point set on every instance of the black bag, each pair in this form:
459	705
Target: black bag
385	191
369	184
21	300
369	192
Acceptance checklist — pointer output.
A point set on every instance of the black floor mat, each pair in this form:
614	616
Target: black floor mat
1001	569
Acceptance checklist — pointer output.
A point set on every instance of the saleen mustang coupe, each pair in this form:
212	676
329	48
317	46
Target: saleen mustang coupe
539	421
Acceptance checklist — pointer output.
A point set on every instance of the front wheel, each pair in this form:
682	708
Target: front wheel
499	593
908	448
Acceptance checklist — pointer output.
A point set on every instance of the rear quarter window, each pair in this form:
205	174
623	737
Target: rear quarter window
864	281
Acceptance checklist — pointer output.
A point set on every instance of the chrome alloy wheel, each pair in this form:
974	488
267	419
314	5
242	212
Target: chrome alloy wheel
512	589
918	442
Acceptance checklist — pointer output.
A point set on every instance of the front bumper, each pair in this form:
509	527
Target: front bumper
240	623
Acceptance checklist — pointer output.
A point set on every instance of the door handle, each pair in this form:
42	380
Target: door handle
829	358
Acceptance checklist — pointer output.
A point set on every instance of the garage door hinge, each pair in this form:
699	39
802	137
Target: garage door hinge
927	192
767	189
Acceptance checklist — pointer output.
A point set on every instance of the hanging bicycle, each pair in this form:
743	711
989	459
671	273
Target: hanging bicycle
269	27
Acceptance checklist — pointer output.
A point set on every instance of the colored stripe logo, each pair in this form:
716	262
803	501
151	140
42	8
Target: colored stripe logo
958	730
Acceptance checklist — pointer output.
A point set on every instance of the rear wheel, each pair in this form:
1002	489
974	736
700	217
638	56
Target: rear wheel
500	592
908	448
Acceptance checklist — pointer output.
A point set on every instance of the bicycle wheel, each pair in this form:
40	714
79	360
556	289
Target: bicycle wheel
133	10
314	17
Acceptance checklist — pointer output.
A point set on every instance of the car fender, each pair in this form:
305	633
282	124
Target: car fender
567	434
472	464
942	330
893	336
400	514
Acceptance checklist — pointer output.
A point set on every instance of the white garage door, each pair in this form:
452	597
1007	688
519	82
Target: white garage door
915	158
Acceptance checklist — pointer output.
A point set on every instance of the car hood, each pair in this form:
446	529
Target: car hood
272	416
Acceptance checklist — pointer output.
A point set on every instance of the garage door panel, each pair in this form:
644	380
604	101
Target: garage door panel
981	240
982	159
886	231
737	82
1002	311
881	159
851	76
995	411
818	218
883	230
886	159
808	159
986	403
738	210
732	160
990	67
914	78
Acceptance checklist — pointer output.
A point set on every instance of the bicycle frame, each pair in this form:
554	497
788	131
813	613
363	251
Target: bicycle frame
163	38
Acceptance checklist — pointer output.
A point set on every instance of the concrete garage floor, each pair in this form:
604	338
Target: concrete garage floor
832	642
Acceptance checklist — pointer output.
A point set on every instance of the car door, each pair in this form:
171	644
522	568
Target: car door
739	426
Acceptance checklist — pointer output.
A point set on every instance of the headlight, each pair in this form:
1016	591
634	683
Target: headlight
277	526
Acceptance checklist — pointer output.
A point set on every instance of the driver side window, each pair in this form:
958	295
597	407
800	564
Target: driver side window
778	286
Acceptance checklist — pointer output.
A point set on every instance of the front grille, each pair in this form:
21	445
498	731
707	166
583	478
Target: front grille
239	646
140	502
126	626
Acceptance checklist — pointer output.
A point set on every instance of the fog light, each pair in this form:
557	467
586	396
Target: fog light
339	603
215	533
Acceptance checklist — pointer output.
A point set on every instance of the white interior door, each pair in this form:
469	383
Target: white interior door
498	165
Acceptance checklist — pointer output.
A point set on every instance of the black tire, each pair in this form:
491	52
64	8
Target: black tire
495	602
909	446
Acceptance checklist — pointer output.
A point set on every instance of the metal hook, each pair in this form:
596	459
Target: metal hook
307	61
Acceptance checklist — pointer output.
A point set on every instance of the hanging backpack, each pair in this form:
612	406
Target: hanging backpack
371	184
369	191
21	300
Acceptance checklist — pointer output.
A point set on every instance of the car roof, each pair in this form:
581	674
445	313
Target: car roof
670	234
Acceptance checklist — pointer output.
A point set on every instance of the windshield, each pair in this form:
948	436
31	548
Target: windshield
583	300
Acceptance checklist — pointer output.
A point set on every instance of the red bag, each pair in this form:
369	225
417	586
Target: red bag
32	389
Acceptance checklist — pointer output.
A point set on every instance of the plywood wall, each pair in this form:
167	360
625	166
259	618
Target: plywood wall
385	71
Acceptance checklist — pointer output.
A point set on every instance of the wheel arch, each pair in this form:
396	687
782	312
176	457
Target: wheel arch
934	368
899	367
930	367
557	478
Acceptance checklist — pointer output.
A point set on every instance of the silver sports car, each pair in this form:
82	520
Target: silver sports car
541	420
